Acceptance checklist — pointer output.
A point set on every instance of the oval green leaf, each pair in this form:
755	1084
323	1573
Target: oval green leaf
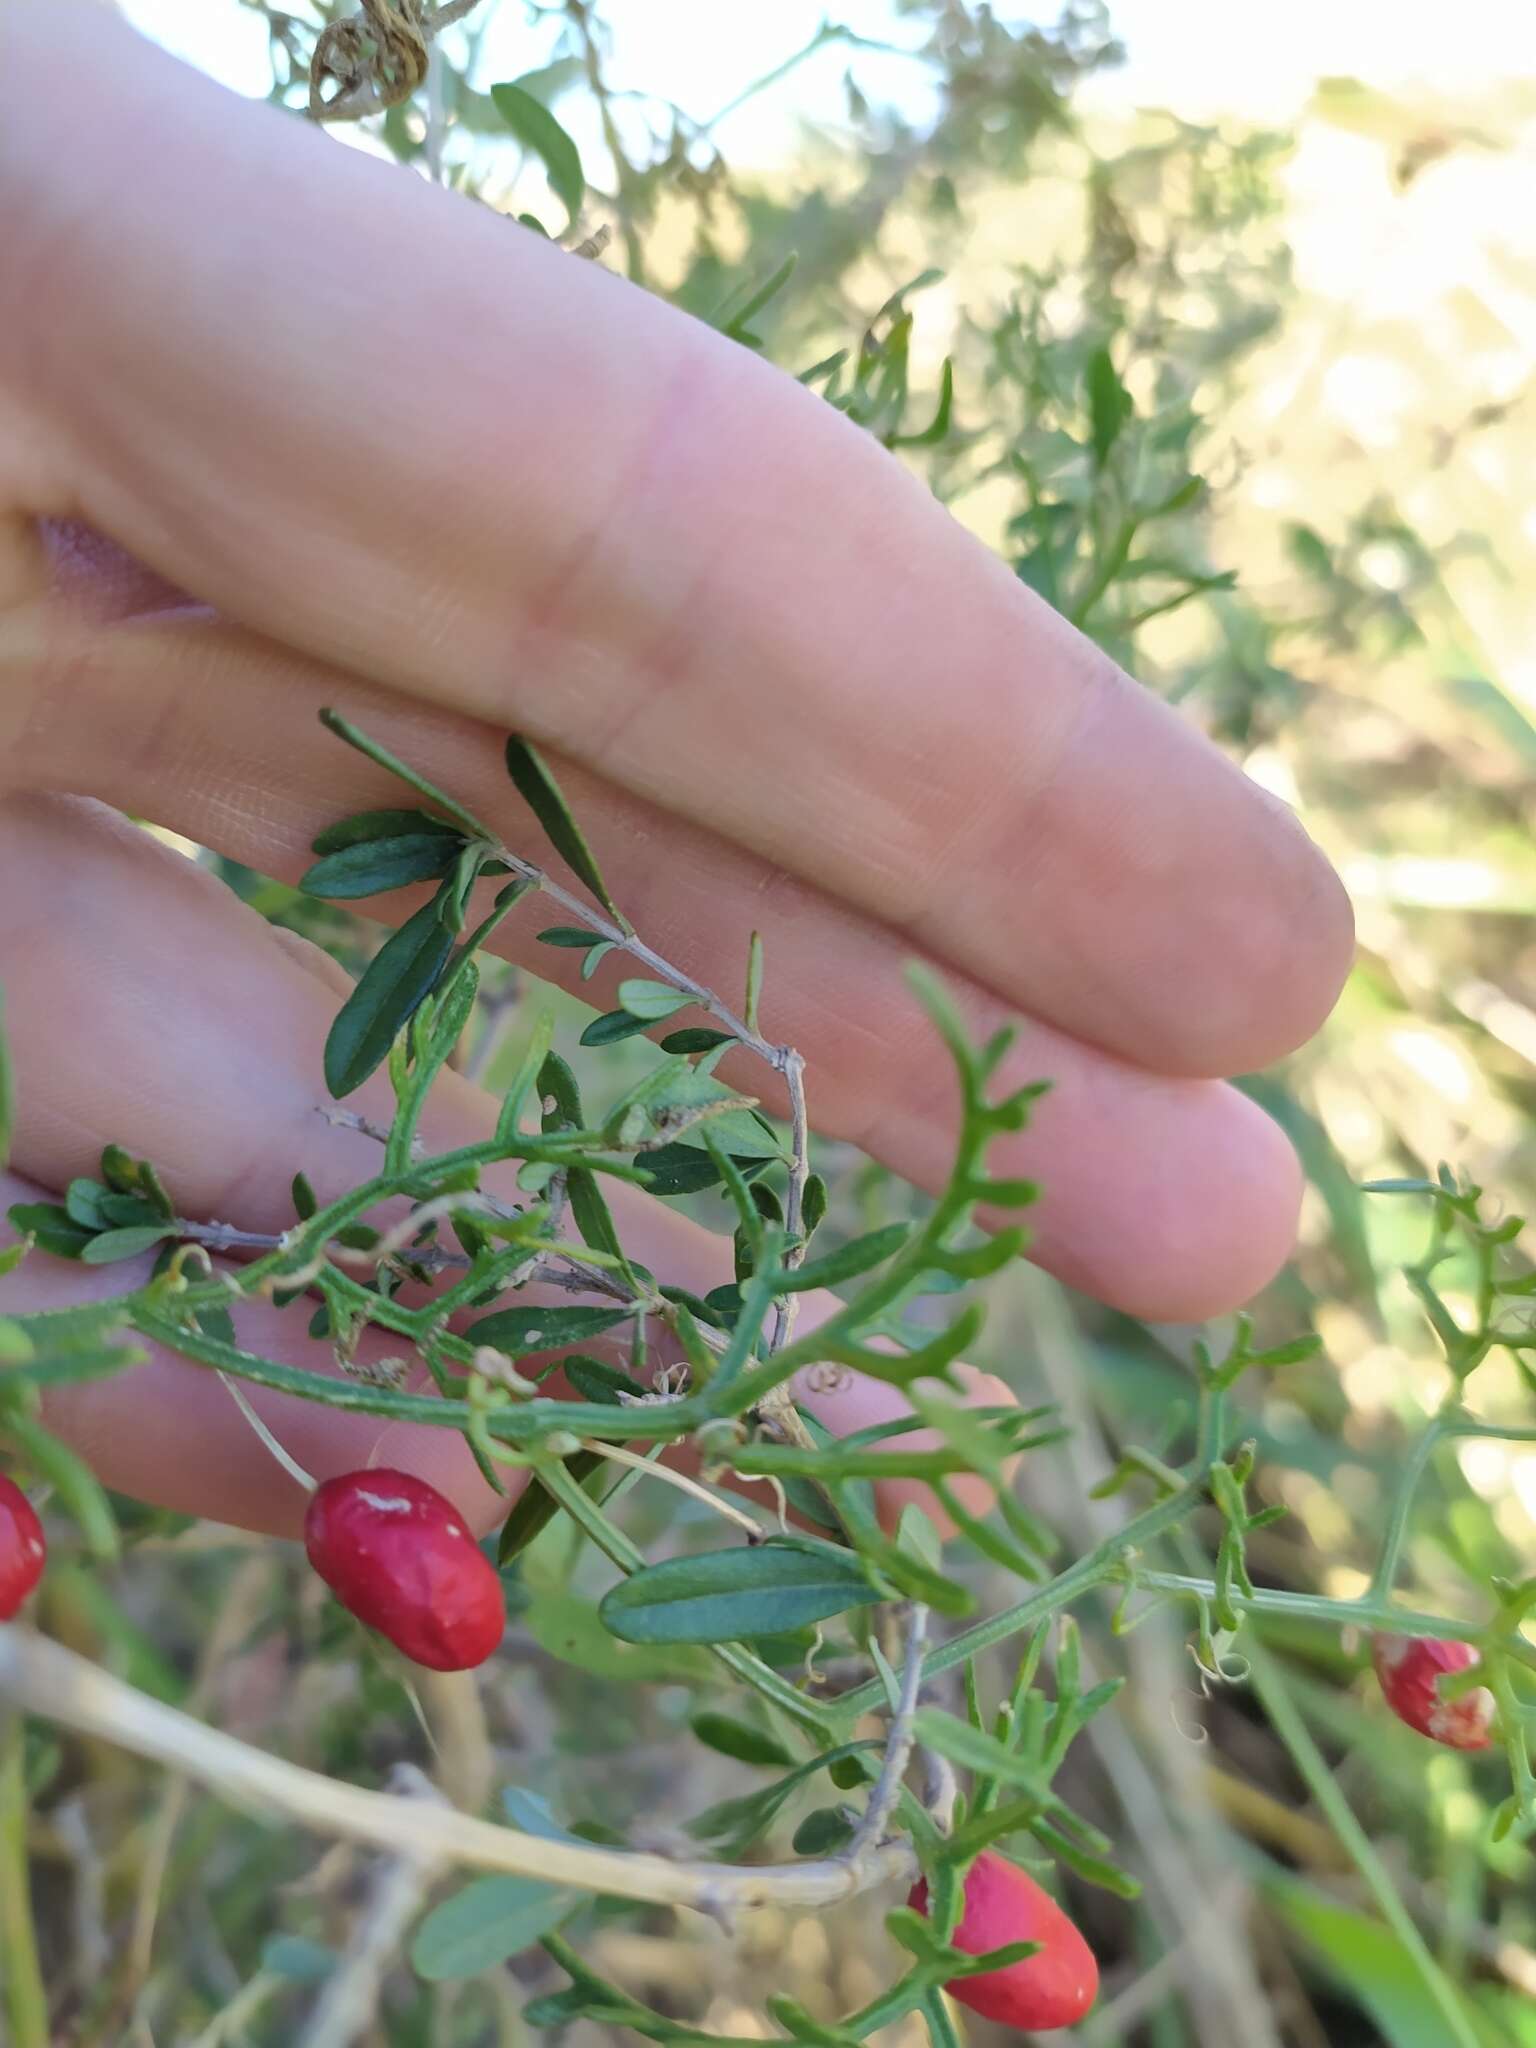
520	1331
726	1595
652	999
491	1919
394	985
539	789
374	865
363	826
537	129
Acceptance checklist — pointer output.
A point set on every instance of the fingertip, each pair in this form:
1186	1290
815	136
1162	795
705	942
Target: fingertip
1184	1231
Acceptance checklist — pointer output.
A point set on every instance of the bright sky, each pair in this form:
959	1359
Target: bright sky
1200	57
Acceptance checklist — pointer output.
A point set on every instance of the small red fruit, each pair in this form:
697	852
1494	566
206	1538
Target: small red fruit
22	1549
398	1556
1052	1988
1410	1669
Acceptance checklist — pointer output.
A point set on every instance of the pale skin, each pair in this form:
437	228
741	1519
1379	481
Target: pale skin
337	437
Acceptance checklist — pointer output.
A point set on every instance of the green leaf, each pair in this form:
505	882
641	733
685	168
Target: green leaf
113	1245
572	935
393	987
304	1203
971	1748
365	826
569	1629
297	1959
725	1595
651	999
594	1379
1109	403
678	1170
813	1206
754	981
537	129
823	1832
1369	1961
696	1038
491	1919
735	1738
520	1331
612	1026
536	1507
849	1260
676	1103
374	865
540	791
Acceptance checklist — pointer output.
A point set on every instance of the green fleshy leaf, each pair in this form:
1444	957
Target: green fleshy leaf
113	1245
481	1926
612	1026
1109	403
51	1227
738	1739
696	1038
651	999
725	1595
537	129
374	865
539	790
394	985
849	1260
367	826
519	1332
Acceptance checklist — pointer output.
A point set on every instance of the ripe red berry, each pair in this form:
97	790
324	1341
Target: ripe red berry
22	1549
399	1557
1410	1669
1054	1987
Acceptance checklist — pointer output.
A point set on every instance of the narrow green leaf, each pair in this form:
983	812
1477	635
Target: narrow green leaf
51	1226
491	1919
823	1832
304	1203
113	1245
394	985
696	1038
725	1595
754	980
849	1260
813	1206
971	1747
374	865
536	1507
1109	403
651	999
537	129
594	1379
572	935
539	790
736	1738
364	826
612	1026
521	1331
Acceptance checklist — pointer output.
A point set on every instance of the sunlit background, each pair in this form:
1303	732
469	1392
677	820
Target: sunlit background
1316	222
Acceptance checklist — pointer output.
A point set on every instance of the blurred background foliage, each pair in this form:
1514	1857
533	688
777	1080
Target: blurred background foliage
1254	404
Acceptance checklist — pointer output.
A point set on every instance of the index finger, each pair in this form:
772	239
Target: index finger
407	437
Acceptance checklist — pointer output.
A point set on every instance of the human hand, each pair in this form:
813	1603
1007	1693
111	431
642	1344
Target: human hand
421	466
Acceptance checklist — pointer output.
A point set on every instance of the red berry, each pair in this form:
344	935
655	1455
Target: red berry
1052	1988
22	1549
399	1557
1410	1669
